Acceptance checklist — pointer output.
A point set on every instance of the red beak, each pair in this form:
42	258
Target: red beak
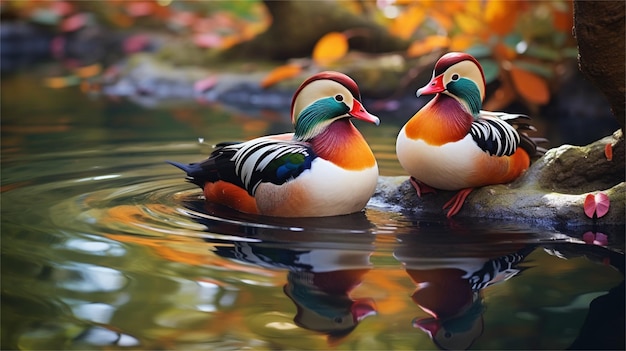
362	308
428	325
433	87
359	112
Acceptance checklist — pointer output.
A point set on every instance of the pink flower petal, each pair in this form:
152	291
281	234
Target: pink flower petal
602	204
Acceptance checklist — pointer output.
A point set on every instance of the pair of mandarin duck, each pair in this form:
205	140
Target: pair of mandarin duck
326	168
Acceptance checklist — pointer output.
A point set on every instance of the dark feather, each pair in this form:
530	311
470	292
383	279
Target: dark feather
249	164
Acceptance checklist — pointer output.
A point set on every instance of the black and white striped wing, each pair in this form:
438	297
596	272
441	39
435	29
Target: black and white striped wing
494	134
270	161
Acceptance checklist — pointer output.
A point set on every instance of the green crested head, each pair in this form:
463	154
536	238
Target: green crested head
460	76
323	99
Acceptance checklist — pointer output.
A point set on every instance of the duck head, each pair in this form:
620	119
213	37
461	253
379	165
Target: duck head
460	76
324	98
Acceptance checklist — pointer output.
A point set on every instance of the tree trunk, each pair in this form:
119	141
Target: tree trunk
599	28
298	25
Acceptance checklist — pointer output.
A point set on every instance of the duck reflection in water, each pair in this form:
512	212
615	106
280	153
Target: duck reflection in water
319	281
323	266
449	271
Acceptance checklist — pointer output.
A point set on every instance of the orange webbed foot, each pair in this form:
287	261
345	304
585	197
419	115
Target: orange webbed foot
421	188
456	202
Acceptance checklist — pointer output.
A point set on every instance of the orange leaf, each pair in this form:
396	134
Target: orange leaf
280	73
330	48
405	24
501	16
469	24
461	42
428	45
89	71
530	86
563	20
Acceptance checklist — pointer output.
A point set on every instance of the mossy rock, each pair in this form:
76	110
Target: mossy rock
550	194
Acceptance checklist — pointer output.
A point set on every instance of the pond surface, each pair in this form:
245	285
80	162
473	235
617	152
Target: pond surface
105	246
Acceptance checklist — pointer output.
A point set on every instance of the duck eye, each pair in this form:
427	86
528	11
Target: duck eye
455	77
339	97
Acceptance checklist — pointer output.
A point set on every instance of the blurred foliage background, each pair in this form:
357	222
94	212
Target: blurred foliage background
526	47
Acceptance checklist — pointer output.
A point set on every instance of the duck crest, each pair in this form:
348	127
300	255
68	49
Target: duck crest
342	144
330	75
442	120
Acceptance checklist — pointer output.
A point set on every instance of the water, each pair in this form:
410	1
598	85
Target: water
104	246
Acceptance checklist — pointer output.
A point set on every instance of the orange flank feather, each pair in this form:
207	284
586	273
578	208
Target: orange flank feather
436	124
230	195
501	169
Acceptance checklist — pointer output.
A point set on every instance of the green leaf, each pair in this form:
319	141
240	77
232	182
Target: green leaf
491	69
543	52
544	70
45	17
479	50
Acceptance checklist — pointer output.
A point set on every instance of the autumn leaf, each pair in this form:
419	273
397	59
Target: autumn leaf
461	42
602	204
330	48
596	238
75	22
597	204
61	82
530	86
205	84
429	44
88	71
281	73
608	151
405	24
501	16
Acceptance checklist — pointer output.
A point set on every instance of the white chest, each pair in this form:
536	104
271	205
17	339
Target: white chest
449	166
323	190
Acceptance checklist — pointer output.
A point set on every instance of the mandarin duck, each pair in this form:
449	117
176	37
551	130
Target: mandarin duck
450	288
320	279
451	144
324	168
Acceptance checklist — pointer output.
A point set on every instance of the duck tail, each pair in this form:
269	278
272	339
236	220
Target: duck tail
196	174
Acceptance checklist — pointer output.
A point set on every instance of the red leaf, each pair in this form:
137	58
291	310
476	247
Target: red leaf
601	239
597	204
74	22
602	204
589	237
205	84
590	205
608	151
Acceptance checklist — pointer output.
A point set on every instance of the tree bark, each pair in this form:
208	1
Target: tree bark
599	28
298	25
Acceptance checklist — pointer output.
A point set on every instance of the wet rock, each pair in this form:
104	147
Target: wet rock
550	194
